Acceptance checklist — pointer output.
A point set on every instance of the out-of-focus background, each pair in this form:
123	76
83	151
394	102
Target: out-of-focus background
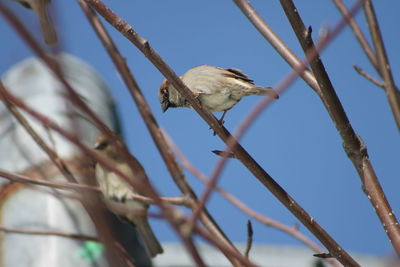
294	139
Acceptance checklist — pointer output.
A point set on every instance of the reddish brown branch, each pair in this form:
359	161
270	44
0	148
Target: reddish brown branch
60	185
357	33
238	150
53	67
290	230
369	77
136	168
126	256
266	31
149	119
353	145
48	233
58	162
385	69
178	201
139	171
372	56
226	250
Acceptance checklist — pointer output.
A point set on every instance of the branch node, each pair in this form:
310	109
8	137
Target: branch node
224	154
323	255
146	45
307	33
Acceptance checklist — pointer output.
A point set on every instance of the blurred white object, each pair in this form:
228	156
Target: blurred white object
33	209
31	81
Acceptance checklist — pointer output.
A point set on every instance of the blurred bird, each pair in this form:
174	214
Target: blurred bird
118	193
217	89
40	8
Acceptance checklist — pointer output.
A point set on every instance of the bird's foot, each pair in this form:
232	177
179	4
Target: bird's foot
220	122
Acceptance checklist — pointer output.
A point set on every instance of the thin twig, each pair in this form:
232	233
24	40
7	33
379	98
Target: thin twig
384	67
178	201
53	156
364	44
249	238
358	33
323	255
53	66
135	166
139	185
239	151
223	154
58	162
369	77
353	145
254	114
277	43
61	185
149	119
226	250
48	233
81	237
290	230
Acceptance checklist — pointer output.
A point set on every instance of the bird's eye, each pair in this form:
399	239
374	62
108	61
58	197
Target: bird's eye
165	96
101	145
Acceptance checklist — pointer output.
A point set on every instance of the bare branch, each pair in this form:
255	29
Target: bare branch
323	255
227	250
180	201
146	187
369	77
276	42
61	185
48	233
224	154
357	33
126	256
353	145
58	162
149	119
384	66
290	230
238	150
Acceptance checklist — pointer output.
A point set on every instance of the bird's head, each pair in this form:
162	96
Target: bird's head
169	97
107	145
163	95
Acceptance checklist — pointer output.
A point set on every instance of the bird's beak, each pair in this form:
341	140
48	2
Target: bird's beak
164	106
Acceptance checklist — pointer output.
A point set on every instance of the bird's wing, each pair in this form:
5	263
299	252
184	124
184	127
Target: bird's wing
237	74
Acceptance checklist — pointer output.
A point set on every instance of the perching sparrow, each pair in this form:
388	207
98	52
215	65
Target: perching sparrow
118	193
217	89
40	8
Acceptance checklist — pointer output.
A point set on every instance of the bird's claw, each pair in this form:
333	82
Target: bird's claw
220	122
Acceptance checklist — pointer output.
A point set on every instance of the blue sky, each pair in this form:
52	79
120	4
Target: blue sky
294	139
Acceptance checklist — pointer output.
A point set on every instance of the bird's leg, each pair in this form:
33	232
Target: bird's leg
221	120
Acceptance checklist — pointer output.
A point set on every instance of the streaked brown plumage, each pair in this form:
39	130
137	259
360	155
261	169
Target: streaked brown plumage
118	193
217	89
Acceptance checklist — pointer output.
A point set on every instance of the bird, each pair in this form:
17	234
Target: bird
216	88
40	8
118	193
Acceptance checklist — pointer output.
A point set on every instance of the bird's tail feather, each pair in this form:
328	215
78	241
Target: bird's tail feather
266	91
151	243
